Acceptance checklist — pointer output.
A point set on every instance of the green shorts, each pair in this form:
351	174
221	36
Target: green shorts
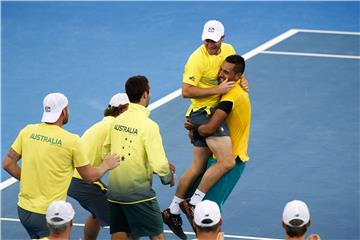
138	220
222	188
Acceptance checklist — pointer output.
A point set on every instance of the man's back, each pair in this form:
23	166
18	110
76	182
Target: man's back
93	140
49	155
238	120
136	138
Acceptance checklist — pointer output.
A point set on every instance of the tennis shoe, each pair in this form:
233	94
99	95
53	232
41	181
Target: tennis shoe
188	210
174	222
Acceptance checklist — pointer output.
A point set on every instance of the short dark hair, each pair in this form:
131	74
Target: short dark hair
293	231
213	228
115	111
238	61
135	87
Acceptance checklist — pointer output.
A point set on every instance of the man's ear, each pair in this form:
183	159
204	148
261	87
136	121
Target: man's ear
145	95
309	223
238	76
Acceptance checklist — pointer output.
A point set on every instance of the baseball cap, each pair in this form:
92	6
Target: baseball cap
59	212
213	30
296	209
206	214
53	104
119	99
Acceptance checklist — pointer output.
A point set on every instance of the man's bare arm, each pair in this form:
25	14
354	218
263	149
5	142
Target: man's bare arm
209	128
91	174
10	163
190	91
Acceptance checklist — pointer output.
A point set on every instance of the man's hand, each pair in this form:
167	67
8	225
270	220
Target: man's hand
111	161
244	84
172	170
188	125
224	87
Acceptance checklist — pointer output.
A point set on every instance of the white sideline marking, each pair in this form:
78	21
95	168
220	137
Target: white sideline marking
165	99
177	92
270	43
166	231
311	54
327	32
7	183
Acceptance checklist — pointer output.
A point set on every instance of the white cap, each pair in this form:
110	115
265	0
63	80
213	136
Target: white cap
296	210
119	99
213	30
53	104
206	214
59	212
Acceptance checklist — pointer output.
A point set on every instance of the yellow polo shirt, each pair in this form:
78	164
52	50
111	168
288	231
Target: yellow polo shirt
49	155
201	70
136	138
93	140
238	121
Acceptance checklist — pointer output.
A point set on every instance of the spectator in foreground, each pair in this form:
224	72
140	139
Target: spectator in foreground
59	217
207	221
296	220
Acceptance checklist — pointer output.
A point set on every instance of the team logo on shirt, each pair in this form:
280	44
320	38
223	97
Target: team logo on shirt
127	129
42	138
192	78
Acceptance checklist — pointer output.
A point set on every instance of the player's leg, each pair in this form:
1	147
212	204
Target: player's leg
91	228
220	145
171	215
91	197
222	188
119	226
197	167
222	149
34	223
144	219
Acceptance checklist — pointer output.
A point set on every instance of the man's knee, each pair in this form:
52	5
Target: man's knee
228	165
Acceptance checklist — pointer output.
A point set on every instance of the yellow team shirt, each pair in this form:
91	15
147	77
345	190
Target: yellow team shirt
136	138
238	121
49	155
93	140
201	70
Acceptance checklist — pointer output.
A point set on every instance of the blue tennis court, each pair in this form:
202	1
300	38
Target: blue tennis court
302	66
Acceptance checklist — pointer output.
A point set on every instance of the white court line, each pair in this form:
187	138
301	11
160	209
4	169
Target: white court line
327	32
310	54
166	231
165	99
7	183
177	92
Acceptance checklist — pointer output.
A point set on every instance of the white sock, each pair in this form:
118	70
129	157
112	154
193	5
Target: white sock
197	197
174	206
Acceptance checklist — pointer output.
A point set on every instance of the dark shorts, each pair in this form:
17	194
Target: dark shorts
92	198
201	117
138	220
34	223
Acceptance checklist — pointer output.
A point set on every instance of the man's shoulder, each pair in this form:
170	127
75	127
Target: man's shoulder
228	49
151	123
235	93
69	135
198	54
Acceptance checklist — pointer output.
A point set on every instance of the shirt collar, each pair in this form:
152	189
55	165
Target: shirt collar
139	108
